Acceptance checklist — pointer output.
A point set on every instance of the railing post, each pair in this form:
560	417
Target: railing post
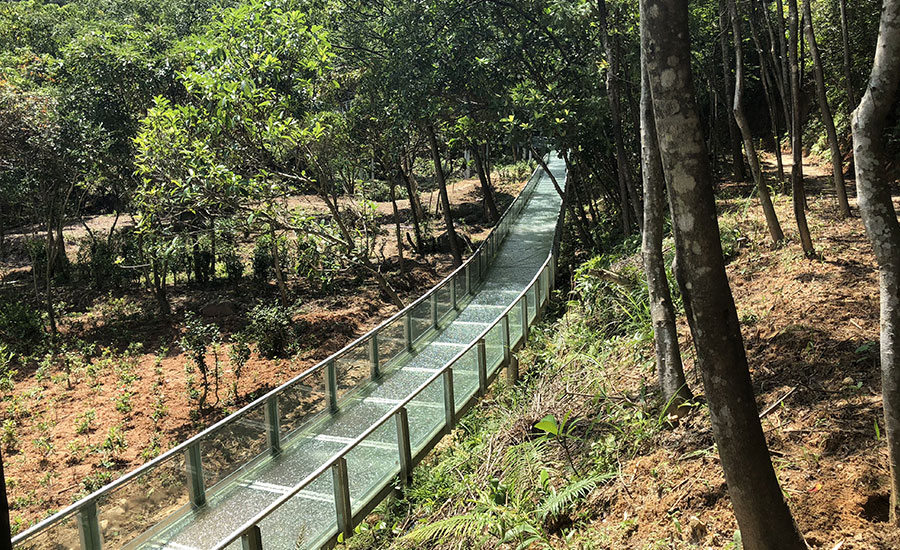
407	330
512	363
331	385
453	292
481	354
194	466
252	539
449	402
273	424
537	296
434	309
374	360
404	445
341	482
524	306
89	527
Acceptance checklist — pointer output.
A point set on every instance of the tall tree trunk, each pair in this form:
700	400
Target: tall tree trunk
797	188
769	96
762	513
669	367
737	155
781	79
880	218
845	44
623	169
397	232
414	210
765	198
837	163
413	187
445	199
486	188
577	217
785	63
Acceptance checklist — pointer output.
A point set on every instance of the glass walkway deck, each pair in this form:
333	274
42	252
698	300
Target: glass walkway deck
310	460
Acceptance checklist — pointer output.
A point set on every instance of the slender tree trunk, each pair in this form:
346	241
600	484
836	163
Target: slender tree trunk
413	188
781	79
734	138
880	218
770	98
486	188
797	188
445	199
785	64
413	210
765	198
669	368
279	274
837	163
577	217
612	90
398	233
845	43
762	513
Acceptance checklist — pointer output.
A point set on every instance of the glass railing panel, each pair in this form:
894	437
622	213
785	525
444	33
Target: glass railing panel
302	401
133	508
391	342
353	369
426	413
421	319
305	520
515	323
460	283
373	463
232	446
493	348
533	302
62	535
465	377
444	302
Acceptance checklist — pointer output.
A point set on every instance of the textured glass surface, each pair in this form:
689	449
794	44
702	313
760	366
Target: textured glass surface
232	446
465	377
305	520
391	342
493	348
444	303
421	319
532	303
459	281
515	324
426	414
60	536
353	369
373	463
302	401
142	502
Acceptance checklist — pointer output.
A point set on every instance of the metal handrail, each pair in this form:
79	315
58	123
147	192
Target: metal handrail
92	499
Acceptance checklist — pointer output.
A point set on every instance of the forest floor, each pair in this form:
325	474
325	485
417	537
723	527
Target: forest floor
68	433
810	329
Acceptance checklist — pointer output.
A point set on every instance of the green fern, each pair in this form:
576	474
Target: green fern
557	502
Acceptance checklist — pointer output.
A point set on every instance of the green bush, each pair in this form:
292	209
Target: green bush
20	326
234	267
96	262
272	330
263	264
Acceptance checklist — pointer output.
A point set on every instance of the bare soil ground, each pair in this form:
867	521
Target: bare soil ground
56	456
810	329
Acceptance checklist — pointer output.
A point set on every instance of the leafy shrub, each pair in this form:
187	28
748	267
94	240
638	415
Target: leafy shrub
96	262
20	326
272	330
234	267
197	338
263	264
239	354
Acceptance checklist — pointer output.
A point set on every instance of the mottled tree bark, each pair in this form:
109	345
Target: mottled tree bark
878	214
669	367
797	188
445	199
765	197
762	513
837	163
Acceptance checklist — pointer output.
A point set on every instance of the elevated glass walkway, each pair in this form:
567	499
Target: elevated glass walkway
307	462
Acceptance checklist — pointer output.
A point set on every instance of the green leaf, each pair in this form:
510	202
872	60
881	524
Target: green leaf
548	424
